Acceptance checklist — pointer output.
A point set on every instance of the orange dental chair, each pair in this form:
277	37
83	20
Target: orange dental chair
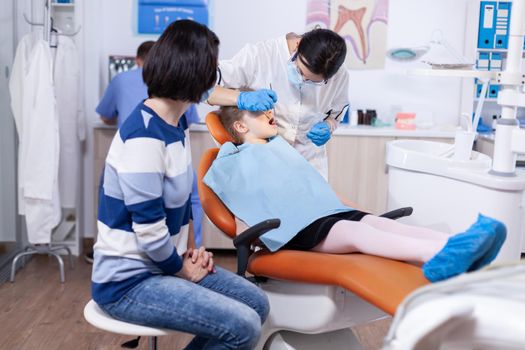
314	297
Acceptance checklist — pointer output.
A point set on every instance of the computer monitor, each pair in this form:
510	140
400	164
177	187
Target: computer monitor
118	64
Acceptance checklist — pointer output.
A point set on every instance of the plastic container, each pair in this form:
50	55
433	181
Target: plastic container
463	143
406	121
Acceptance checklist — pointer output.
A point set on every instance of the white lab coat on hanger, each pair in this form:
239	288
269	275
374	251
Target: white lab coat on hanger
264	65
72	130
34	109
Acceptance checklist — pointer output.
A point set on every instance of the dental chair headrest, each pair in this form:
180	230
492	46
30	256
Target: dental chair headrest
217	130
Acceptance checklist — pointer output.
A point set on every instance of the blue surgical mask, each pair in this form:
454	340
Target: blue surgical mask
207	94
294	77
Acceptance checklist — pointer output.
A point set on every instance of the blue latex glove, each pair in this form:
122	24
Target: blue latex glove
319	133
260	100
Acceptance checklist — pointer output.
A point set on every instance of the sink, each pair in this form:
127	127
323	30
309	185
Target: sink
447	195
432	157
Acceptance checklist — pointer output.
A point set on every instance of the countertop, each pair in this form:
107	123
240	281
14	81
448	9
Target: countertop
344	130
365	130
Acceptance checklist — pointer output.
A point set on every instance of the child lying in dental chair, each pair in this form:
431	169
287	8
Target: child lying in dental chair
262	177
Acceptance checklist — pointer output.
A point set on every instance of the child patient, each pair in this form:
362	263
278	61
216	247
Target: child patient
262	177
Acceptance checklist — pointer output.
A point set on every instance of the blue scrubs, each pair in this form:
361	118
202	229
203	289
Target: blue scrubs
123	94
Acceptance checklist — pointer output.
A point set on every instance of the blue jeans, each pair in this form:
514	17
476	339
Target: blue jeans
223	310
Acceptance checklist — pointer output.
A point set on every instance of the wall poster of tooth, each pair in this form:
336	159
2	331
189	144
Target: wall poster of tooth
362	23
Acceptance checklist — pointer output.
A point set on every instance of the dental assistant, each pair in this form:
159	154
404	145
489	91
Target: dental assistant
301	77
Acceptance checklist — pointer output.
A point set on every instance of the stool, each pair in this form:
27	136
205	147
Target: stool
98	318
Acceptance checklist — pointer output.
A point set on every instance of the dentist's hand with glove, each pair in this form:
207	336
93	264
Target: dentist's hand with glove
301	77
320	133
260	100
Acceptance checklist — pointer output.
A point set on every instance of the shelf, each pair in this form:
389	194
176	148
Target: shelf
496	50
486	99
69	5
492	50
459	73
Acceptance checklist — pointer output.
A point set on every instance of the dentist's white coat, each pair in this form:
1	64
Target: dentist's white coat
257	66
72	126
34	109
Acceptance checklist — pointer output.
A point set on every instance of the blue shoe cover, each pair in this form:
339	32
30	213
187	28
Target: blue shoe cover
501	235
460	252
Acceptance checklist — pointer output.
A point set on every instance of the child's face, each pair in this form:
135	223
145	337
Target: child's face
260	125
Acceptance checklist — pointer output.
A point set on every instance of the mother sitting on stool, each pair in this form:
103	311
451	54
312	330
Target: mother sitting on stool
146	270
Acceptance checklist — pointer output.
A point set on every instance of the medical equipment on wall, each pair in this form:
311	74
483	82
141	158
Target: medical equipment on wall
480	310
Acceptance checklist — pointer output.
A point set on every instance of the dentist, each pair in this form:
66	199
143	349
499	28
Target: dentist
300	76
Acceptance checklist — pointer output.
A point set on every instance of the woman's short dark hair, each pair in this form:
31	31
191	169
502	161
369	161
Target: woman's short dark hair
182	65
323	50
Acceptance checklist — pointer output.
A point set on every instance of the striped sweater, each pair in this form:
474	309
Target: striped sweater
144	204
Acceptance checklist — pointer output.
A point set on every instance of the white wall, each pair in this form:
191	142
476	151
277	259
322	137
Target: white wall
411	23
109	27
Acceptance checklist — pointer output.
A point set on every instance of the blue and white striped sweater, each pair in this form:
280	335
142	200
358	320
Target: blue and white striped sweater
144	204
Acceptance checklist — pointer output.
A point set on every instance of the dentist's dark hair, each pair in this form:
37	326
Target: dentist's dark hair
322	51
182	64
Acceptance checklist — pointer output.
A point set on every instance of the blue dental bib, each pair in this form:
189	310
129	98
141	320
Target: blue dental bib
264	181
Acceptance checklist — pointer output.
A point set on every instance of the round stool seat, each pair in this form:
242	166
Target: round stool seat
98	318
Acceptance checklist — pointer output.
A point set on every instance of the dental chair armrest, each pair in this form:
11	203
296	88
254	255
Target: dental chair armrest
398	213
244	241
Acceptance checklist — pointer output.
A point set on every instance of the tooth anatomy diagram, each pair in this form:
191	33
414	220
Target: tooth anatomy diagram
363	24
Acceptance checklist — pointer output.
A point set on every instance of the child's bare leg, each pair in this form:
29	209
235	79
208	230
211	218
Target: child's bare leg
397	227
354	236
